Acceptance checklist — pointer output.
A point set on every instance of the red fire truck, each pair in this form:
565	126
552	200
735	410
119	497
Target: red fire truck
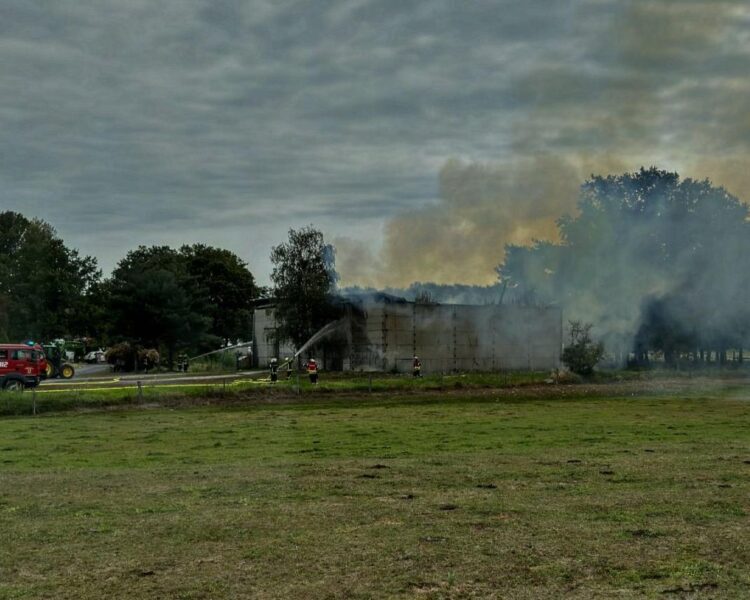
21	366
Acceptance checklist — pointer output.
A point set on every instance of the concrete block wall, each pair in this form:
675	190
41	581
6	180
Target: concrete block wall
462	338
264	343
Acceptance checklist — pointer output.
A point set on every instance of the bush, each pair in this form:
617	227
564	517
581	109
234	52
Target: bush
121	357
582	354
148	358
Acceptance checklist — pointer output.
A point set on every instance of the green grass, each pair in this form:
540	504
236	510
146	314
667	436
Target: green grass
48	399
392	495
221	362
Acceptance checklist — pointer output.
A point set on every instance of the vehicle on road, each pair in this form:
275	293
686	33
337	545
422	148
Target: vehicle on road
21	366
56	363
95	357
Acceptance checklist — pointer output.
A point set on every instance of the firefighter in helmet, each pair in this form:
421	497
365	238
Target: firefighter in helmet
312	371
289	368
416	366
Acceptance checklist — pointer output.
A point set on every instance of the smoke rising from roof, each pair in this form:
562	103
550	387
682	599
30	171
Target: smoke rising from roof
460	237
456	239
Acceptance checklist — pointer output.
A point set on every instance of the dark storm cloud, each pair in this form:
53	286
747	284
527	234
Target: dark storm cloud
227	121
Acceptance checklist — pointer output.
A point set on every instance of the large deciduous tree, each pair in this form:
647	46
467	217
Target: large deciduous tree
304	280
153	301
188	299
45	287
228	287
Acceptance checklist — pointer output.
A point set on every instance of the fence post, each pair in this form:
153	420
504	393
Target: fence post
140	391
33	401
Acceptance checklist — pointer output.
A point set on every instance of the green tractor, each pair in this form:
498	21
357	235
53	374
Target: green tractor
57	365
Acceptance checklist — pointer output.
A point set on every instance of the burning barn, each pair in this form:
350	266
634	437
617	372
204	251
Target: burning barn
383	332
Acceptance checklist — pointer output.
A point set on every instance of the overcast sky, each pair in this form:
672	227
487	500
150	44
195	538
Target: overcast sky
126	122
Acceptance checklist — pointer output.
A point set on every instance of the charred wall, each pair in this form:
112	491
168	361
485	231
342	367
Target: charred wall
459	338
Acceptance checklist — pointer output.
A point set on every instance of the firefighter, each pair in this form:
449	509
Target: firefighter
312	371
288	368
182	362
274	370
417	366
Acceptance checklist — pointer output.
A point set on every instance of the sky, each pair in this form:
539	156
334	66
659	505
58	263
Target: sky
420	136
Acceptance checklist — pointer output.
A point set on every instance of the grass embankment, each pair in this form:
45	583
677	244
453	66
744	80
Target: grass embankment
397	496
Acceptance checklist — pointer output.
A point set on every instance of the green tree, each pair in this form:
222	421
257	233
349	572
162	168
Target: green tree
44	285
155	302
93	319
304	280
228	288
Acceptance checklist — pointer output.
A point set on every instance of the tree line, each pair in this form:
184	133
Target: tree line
192	299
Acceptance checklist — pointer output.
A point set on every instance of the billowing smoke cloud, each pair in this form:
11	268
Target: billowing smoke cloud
460	237
639	83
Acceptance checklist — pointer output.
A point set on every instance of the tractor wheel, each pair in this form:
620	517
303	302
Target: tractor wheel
67	371
50	370
14	385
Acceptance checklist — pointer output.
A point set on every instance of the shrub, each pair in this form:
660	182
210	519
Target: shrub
582	354
121	357
148	358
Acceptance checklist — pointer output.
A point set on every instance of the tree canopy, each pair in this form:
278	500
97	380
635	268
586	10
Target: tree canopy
187	299
304	279
228	288
153	303
44	285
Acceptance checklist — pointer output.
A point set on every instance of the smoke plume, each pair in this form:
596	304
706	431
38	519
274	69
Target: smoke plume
639	83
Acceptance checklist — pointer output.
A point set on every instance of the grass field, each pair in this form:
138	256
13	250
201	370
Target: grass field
427	495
